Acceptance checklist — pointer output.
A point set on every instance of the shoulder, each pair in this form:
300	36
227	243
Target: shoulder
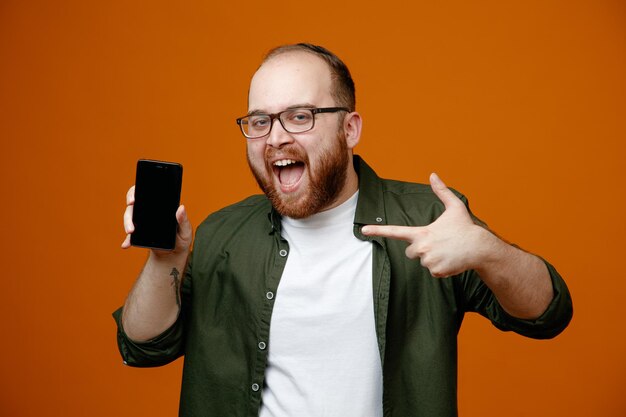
414	202
254	209
412	190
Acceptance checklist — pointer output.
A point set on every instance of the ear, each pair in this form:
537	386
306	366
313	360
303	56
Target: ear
352	124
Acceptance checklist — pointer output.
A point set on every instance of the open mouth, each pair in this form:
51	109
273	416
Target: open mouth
289	172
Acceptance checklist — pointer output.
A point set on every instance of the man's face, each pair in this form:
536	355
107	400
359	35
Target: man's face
304	173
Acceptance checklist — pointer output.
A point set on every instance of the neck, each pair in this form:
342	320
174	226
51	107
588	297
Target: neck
350	187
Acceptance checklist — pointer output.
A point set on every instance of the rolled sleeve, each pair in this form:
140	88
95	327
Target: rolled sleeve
161	350
552	322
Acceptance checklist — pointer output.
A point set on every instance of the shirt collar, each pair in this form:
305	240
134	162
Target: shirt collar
370	208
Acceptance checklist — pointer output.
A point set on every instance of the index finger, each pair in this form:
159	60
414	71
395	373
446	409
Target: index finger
130	196
393	232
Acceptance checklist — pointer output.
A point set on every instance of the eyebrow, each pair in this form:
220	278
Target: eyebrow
295	106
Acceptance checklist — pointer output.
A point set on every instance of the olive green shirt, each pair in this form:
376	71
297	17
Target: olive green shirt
232	281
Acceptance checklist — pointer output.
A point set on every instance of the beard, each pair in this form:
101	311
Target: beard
325	183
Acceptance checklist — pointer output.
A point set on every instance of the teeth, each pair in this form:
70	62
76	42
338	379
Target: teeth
284	162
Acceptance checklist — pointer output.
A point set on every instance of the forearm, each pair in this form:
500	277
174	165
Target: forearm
154	302
519	280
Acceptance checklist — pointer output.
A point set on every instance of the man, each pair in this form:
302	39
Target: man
337	293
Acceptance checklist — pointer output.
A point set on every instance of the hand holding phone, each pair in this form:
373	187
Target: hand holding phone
152	205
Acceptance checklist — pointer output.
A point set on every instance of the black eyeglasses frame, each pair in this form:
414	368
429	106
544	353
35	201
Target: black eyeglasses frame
274	116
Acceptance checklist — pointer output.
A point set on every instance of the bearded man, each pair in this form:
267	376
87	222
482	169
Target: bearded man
336	293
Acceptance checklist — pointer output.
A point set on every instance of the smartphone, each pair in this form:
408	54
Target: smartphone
157	197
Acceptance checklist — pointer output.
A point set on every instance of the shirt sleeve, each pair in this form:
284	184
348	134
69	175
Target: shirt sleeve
479	298
161	350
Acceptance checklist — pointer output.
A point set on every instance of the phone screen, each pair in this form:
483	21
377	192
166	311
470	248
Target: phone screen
157	197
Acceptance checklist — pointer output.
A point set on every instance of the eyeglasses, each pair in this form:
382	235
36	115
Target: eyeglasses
297	120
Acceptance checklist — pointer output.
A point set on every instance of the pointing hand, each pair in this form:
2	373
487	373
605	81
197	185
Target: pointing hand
449	245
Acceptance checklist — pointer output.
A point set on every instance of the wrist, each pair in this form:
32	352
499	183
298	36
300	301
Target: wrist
170	259
488	250
170	254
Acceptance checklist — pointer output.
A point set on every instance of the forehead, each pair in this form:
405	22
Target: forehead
290	79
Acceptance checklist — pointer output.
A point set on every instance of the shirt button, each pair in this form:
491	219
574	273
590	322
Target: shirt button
269	295
282	253
262	345
379	219
255	387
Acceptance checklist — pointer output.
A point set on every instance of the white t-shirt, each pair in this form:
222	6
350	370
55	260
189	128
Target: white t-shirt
323	352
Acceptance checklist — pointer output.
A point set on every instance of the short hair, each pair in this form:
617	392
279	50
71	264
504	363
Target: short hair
343	91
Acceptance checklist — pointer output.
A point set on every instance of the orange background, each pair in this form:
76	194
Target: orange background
520	105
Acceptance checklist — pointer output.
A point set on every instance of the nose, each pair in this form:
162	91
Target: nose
278	136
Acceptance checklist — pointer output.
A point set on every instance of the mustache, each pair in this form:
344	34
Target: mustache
289	151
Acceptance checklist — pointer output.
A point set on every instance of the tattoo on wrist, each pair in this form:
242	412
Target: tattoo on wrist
176	284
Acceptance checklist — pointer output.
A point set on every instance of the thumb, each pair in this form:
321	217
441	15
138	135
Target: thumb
184	226
447	197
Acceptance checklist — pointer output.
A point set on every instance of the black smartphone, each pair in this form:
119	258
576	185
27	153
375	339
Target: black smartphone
157	197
